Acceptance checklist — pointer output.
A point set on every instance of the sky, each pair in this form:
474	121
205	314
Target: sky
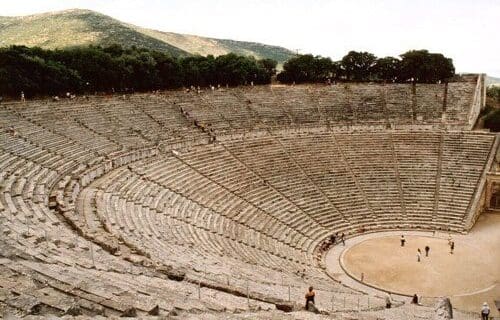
465	30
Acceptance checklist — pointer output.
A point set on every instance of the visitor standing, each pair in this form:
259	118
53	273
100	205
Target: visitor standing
414	300
388	301
310	296
485	311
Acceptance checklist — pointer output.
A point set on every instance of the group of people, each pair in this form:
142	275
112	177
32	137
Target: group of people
427	249
205	128
199	90
69	96
335	237
419	252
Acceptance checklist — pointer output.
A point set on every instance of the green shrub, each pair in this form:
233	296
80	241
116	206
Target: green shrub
492	121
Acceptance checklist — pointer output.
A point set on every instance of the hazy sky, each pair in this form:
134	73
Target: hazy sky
465	30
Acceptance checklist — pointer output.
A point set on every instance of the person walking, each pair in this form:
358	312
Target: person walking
427	249
403	240
485	311
418	254
452	247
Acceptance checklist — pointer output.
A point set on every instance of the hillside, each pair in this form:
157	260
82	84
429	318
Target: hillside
492	81
84	27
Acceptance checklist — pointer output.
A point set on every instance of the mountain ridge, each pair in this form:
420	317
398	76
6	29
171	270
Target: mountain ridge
492	81
77	27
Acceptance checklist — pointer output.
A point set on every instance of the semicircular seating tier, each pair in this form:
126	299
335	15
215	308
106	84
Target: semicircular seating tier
110	201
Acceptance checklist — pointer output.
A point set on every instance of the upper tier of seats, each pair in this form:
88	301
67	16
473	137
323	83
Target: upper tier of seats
399	106
137	119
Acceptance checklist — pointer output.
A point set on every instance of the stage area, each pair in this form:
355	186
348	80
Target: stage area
471	273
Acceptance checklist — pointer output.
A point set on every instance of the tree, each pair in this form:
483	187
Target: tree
169	70
95	66
387	69
28	70
358	66
307	68
138	71
232	69
425	67
198	70
269	65
492	121
236	70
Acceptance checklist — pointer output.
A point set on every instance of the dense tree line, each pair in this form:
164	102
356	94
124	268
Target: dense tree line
104	69
89	69
415	66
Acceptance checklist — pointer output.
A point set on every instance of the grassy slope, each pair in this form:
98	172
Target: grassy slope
73	28
83	27
204	46
492	80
